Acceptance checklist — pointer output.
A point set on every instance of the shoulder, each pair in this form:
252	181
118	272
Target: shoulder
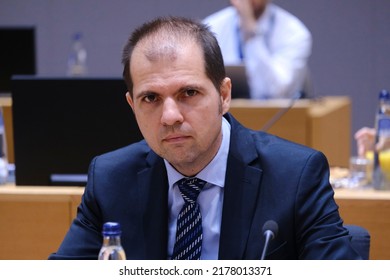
280	151
129	157
119	170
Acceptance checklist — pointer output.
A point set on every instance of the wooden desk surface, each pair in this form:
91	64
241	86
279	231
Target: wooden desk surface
39	217
36	219
5	101
10	190
317	107
366	194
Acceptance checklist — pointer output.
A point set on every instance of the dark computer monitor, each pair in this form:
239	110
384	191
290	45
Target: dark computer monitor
60	124
17	54
240	86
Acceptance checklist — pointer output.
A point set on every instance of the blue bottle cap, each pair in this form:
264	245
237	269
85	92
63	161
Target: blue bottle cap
384	94
77	36
111	228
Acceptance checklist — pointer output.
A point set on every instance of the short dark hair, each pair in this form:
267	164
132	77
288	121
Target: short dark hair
180	28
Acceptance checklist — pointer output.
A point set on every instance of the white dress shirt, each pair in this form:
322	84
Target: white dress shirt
276	57
210	199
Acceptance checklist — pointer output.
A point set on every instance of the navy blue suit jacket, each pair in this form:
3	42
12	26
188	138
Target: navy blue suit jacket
268	178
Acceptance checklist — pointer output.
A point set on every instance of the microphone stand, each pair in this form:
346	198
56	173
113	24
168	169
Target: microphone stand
281	112
268	236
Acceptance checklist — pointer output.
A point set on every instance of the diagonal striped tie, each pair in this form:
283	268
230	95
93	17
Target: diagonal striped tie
188	245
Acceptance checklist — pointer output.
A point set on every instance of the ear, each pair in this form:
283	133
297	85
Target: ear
130	100
226	91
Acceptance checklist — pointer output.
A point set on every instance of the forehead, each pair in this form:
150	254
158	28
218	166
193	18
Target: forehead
162	49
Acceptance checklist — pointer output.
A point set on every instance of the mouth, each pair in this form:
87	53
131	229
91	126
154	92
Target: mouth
176	138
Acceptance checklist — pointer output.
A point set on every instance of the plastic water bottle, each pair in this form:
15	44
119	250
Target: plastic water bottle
381	172
77	60
3	157
112	248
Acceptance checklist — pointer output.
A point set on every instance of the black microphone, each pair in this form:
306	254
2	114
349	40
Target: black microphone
282	111
270	231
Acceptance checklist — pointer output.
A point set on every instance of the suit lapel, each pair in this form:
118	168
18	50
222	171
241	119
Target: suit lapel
153	195
240	194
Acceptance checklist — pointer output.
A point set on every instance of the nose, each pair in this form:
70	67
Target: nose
171	113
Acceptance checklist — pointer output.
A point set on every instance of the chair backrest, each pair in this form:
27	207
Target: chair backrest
360	240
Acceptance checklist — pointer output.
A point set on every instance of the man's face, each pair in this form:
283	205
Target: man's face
177	107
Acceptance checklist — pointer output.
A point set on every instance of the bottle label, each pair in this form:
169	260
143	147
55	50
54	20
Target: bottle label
384	127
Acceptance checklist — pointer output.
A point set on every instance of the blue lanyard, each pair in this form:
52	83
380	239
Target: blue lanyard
240	51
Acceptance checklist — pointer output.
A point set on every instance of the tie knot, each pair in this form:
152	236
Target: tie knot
190	188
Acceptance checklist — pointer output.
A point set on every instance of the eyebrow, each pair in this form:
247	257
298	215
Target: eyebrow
191	86
180	90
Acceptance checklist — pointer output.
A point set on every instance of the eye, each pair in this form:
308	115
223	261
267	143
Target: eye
191	92
150	98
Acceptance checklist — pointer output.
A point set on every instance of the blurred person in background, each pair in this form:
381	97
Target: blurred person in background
273	44
365	139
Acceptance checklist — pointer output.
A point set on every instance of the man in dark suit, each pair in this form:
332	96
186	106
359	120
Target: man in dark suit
180	96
